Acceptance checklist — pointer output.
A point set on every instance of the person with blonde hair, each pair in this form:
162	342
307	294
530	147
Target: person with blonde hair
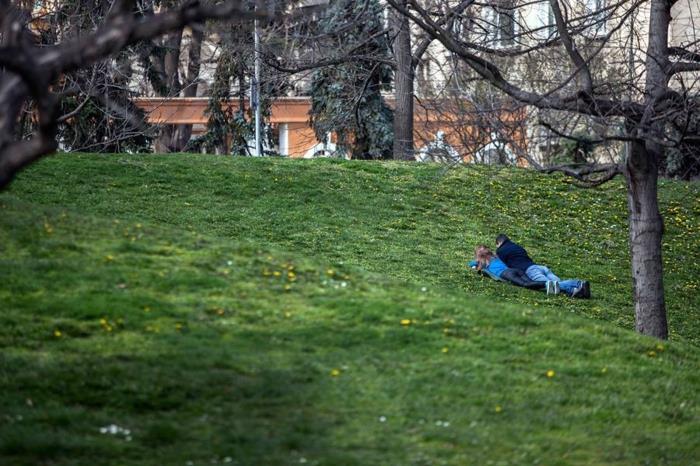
487	262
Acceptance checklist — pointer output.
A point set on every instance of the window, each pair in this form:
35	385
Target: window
541	20
505	25
500	24
551	21
596	17
462	26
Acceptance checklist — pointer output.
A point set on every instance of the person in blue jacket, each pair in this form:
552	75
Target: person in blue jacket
487	262
515	256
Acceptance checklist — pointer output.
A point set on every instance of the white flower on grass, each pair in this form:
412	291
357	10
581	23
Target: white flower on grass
382	418
114	429
424	289
228	459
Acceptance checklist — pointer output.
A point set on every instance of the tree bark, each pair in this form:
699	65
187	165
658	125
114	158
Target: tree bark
403	85
183	133
646	229
170	63
642	172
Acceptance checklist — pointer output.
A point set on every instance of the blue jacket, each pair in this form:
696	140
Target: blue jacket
514	256
494	270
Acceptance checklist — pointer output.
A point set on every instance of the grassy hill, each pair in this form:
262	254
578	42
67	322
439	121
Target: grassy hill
259	311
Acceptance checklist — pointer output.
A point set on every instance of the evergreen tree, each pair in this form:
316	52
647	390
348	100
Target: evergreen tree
346	98
227	128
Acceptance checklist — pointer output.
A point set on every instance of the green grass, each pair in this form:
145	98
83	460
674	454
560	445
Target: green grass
249	311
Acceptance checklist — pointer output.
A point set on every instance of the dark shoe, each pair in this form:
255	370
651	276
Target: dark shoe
586	290
583	291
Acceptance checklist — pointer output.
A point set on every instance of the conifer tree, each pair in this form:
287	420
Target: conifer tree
346	98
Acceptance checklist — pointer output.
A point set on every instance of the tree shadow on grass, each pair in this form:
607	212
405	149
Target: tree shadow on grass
199	396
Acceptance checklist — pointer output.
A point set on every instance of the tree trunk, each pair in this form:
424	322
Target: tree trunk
403	85
646	229
183	133
171	64
360	146
642	173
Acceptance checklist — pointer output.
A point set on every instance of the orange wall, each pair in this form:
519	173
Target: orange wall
293	112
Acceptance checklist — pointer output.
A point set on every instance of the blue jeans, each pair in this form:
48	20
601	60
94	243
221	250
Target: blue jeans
541	273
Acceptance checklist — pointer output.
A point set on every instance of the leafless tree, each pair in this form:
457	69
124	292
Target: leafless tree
161	60
30	73
408	54
98	114
639	105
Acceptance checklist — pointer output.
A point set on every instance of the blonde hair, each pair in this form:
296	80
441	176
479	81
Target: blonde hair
483	256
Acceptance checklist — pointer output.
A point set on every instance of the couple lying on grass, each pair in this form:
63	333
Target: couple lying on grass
512	264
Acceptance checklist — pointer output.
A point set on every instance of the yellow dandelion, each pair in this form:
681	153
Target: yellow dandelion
445	350
288	315
287	287
405	322
220	311
660	347
651	354
604	370
498	408
550	374
109	257
335	373
276	273
330	272
57	333
103	321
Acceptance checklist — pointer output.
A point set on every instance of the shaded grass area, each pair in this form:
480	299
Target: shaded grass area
253	341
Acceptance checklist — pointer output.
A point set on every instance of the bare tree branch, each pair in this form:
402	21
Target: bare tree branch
30	70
